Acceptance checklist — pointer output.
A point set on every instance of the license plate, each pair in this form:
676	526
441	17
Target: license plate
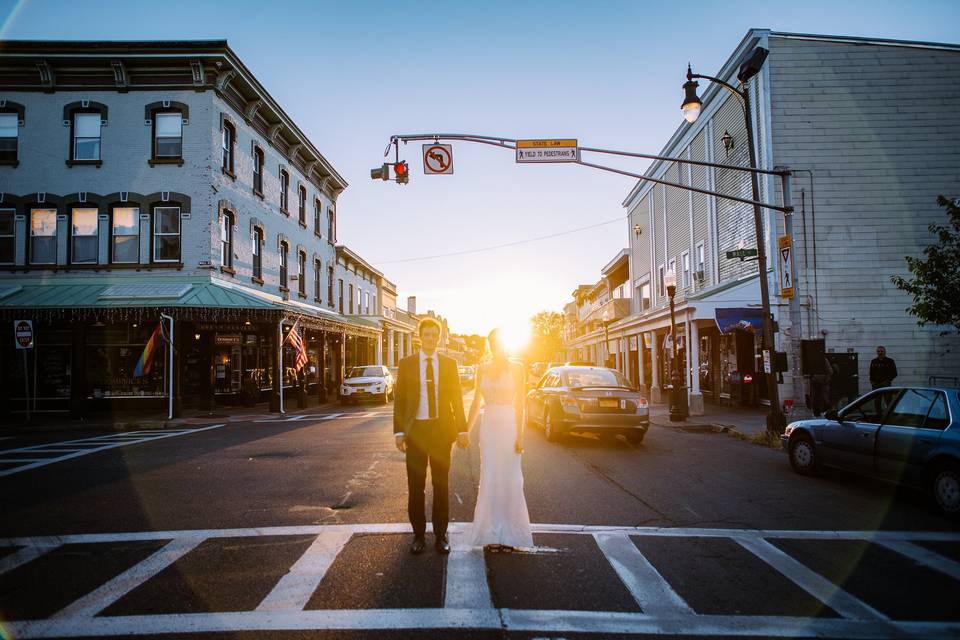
609	403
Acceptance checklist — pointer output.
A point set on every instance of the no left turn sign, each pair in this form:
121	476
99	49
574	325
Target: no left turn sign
23	332
437	159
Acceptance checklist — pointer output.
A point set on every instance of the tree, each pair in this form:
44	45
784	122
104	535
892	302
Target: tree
936	278
546	337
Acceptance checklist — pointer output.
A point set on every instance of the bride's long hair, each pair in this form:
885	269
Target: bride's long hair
495	351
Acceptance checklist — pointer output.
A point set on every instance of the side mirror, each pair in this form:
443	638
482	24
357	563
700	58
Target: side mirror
832	414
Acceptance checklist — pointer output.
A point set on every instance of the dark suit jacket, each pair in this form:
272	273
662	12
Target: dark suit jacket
449	397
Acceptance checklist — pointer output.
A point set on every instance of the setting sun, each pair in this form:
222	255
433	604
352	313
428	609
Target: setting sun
515	335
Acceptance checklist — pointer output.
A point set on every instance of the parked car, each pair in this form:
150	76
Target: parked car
368	381
467	375
579	363
587	399
909	435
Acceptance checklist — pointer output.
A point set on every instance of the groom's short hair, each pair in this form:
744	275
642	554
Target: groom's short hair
428	322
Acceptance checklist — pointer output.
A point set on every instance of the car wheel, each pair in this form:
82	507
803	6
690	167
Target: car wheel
636	437
803	455
945	490
550	428
386	397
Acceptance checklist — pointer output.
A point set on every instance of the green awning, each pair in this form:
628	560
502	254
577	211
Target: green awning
93	296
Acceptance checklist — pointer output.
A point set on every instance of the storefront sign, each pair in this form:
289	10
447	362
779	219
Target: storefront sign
224	328
232	338
23	333
766	361
633	343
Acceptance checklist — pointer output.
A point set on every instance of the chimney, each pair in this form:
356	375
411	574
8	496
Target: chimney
412	305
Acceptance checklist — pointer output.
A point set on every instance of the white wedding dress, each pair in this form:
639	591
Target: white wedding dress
501	514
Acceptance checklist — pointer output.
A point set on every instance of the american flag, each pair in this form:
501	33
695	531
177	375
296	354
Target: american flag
297	341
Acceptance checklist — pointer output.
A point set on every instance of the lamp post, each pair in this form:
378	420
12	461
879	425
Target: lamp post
678	390
691	111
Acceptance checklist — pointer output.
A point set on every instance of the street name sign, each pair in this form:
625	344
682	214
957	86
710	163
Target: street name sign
23	333
784	247
741	253
547	151
438	159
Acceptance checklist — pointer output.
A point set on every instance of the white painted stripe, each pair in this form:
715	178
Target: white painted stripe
495	619
925	557
293	591
23	556
654	595
14	460
401	527
372	414
109	592
811	582
330	416
466	584
100	447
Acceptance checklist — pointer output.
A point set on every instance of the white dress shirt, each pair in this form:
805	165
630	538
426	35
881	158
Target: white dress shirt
423	408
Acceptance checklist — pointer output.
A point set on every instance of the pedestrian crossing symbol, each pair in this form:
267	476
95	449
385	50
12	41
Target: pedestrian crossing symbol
785	248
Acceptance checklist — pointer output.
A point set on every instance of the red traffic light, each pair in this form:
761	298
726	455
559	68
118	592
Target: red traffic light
401	168
402	171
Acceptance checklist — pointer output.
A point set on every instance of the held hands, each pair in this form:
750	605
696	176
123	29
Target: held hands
518	445
399	440
463	440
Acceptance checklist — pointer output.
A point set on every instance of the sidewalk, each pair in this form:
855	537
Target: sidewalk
749	421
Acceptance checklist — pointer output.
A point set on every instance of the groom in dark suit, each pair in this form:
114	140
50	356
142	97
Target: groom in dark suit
427	418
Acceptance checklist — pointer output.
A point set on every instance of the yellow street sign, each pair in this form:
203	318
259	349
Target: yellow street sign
547	151
785	247
545	144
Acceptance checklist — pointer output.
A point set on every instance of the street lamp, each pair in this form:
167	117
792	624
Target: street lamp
691	108
678	390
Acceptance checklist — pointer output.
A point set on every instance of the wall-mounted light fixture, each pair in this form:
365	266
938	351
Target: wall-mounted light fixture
727	140
637	229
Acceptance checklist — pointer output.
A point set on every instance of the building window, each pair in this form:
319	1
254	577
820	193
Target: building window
258	171
366	301
258	254
284	190
8	231
84	243
660	281
167	135
302	205
644	296
226	240
43	236
9	133
317	268
86	136
330	286
302	274
284	277
228	138
685	263
166	234
340	281
701	263
125	232
331	226
351	298
317	210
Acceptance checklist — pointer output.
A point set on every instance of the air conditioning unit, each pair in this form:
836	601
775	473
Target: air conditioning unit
700	277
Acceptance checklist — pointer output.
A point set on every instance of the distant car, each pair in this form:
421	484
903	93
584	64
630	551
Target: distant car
467	374
366	382
587	399
909	435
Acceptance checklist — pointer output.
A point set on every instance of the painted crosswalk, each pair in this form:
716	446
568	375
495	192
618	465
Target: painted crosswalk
471	594
23	459
321	417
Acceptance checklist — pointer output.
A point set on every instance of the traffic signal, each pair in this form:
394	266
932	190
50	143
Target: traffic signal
383	173
403	172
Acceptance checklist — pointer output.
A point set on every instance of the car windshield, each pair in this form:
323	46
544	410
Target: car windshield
366	372
579	378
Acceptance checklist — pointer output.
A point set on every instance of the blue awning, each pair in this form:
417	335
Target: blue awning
743	318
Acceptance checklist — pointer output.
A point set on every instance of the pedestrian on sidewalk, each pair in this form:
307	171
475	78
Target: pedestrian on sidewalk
883	370
820	389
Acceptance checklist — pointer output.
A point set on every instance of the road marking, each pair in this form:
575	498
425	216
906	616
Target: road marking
925	557
355	415
295	588
466	584
92	445
654	595
811	582
108	593
23	556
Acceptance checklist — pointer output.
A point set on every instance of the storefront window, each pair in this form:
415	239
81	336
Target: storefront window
113	351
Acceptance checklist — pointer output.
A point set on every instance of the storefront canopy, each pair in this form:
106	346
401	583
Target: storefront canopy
743	318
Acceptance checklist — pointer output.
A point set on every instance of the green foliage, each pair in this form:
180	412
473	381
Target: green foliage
546	337
936	276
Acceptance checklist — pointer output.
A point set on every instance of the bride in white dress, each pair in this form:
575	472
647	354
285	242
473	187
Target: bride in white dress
500	518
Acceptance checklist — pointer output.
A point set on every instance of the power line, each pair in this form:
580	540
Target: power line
501	246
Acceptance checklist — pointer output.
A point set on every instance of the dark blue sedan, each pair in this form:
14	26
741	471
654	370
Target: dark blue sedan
909	435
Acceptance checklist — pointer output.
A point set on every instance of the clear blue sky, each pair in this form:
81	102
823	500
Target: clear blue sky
353	73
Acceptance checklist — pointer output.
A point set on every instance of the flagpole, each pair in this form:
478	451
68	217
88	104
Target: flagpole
169	367
280	360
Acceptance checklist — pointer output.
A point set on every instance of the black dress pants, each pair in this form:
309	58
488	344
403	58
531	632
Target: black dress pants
427	445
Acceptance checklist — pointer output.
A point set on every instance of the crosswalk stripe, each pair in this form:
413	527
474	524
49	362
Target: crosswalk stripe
294	589
654	595
108	593
925	557
811	582
23	556
466	583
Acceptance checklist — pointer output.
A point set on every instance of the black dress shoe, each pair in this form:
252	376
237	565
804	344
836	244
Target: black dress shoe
418	546
442	545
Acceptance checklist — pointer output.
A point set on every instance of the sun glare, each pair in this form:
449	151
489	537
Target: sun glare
515	336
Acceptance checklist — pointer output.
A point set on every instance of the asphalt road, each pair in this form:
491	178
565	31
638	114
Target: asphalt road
295	527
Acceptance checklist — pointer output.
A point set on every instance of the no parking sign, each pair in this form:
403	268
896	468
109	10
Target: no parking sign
23	333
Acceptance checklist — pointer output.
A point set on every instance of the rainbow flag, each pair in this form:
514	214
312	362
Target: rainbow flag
146	358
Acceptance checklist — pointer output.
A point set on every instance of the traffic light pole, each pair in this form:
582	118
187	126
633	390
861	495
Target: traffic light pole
775	421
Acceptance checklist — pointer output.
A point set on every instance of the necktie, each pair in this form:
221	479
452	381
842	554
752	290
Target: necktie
431	390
